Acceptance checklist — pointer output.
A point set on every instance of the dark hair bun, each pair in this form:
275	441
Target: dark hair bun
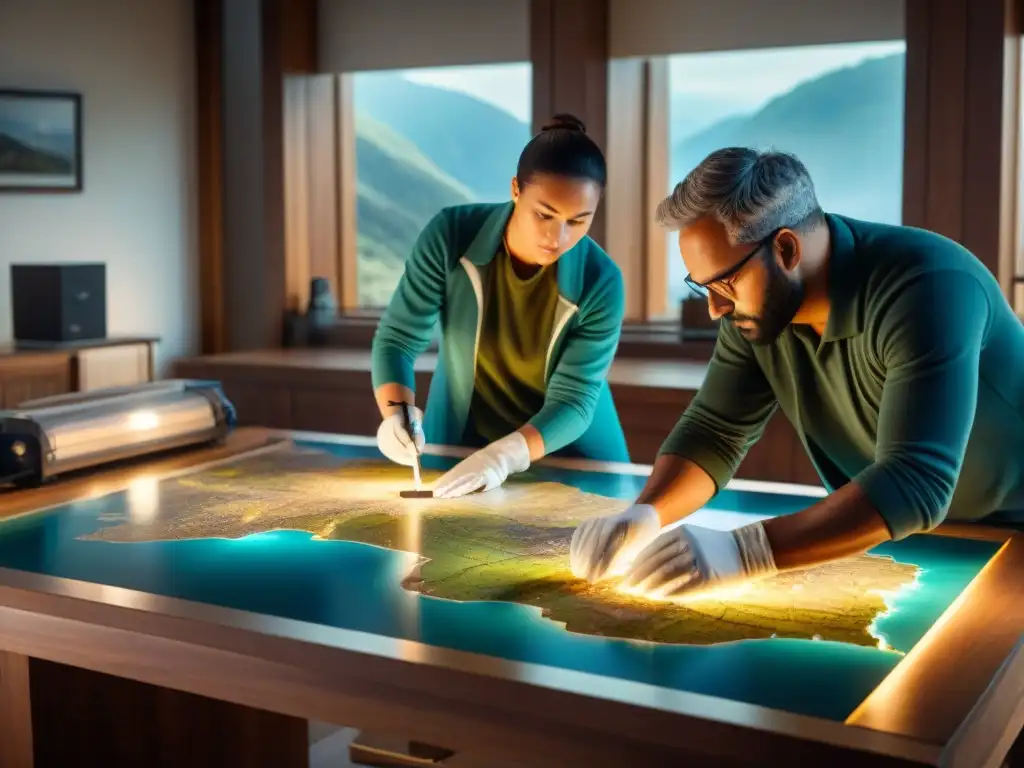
565	122
563	149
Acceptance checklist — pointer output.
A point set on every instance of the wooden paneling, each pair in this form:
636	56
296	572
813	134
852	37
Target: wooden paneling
209	19
244	52
569	52
81	717
958	169
330	391
258	319
297	21
31	375
915	115
15	712
648	413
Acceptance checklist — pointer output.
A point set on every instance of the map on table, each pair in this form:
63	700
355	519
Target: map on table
509	545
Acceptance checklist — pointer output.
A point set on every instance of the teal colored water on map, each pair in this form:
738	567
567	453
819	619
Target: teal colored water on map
356	586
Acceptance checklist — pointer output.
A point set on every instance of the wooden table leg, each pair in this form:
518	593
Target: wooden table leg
82	717
15	712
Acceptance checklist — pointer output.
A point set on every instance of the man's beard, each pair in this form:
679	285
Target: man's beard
782	299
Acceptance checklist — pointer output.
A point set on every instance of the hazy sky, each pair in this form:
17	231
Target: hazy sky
45	116
753	77
739	80
507	86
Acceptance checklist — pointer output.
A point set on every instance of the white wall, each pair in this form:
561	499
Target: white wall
133	63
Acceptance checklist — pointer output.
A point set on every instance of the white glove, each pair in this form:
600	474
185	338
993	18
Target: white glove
395	442
690	558
486	469
602	545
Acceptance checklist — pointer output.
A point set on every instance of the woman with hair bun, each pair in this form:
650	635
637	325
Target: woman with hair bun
530	309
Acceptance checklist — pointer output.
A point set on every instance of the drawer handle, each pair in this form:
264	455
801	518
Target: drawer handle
82	295
74	327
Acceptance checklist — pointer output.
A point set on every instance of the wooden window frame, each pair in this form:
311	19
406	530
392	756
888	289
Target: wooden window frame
638	181
1012	212
637	147
963	163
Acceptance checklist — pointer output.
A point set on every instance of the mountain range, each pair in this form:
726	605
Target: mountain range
476	144
52	141
18	157
846	126
420	148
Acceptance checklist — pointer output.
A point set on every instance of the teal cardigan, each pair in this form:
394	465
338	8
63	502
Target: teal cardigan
444	279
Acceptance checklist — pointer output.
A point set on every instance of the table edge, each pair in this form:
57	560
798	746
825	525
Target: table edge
981	631
624	709
871	714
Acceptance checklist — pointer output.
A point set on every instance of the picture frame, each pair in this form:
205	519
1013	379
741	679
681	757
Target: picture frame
40	141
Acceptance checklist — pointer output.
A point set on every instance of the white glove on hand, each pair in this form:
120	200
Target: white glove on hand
602	544
486	469
395	442
689	558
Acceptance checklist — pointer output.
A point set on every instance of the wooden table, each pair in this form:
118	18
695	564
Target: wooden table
93	671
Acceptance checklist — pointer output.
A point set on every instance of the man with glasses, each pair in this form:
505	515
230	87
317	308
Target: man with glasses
892	351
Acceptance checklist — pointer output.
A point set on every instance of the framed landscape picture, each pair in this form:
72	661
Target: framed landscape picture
40	141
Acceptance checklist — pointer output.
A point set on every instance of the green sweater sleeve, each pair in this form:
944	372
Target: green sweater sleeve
575	384
728	413
929	339
405	329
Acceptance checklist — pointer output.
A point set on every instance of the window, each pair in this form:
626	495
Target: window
426	139
839	108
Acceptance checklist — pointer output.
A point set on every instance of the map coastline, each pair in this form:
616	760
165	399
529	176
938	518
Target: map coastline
509	545
409	581
262	552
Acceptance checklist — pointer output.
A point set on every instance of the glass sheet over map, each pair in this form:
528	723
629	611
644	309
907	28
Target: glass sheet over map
508	545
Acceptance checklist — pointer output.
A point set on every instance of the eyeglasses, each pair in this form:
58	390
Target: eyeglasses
702	289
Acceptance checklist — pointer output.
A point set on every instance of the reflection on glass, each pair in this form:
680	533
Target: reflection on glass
839	108
289	566
143	497
426	139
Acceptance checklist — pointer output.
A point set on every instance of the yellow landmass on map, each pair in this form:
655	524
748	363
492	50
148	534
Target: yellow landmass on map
511	544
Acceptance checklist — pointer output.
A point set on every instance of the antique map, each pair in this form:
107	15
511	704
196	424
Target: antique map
511	544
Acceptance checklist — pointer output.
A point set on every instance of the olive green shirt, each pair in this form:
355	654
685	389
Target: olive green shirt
915	391
510	381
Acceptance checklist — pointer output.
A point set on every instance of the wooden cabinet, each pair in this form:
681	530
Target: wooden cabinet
329	390
30	374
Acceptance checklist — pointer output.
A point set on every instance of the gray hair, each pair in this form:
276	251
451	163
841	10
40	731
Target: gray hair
751	193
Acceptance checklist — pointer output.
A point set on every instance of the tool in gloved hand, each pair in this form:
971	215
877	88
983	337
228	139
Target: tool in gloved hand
408	422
